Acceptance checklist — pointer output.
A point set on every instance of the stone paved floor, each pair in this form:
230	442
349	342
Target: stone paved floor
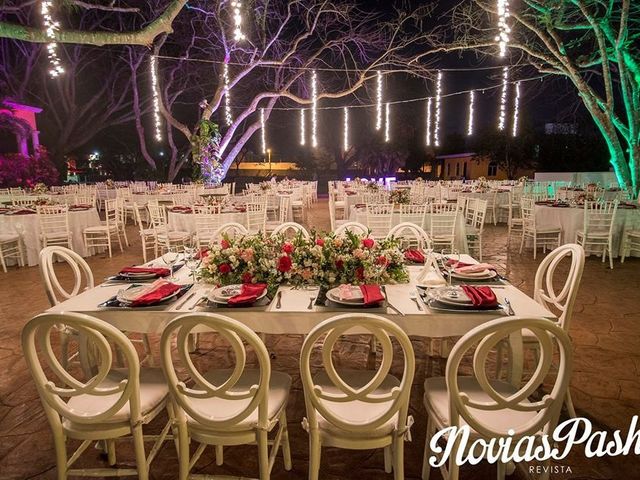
605	386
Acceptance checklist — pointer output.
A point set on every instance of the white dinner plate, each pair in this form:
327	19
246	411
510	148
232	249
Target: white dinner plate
484	275
357	299
129	295
222	295
138	275
451	296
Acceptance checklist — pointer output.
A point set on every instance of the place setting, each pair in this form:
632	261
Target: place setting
159	292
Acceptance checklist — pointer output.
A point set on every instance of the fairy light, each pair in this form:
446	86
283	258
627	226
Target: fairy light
516	111
303	134
503	98
387	136
262	132
237	19
379	102
314	109
429	121
503	27
470	122
345	132
227	96
436	130
156	98
51	27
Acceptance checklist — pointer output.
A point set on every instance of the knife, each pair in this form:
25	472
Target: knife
389	304
184	302
278	300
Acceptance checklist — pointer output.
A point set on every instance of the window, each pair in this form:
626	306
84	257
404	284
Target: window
492	170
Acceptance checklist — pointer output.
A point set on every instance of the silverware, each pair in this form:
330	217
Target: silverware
414	296
311	300
279	300
389	304
510	310
200	300
183	303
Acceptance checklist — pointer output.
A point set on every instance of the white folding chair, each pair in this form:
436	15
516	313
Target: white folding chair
357	409
379	219
11	249
53	221
225	406
100	236
495	410
256	217
442	228
597	230
109	405
413	213
546	237
283	209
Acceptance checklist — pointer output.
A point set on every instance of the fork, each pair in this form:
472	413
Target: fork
510	310
413	296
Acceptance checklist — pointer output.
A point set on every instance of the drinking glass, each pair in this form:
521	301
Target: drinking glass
450	263
192	260
170	257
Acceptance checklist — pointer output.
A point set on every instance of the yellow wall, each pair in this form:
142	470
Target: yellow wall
476	167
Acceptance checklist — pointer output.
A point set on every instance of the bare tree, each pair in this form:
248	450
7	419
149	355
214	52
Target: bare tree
592	43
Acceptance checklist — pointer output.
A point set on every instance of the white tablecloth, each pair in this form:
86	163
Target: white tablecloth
360	216
78	221
572	219
186	222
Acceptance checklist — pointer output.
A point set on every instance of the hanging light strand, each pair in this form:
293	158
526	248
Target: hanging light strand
51	27
436	130
387	135
314	109
227	96
263	134
379	101
303	134
516	111
503	26
345	132
471	105
429	101
503	99
237	20
155	91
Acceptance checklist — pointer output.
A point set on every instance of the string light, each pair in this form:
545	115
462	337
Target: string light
303	134
516	111
387	136
262	132
156	98
227	96
379	101
436	132
237	18
345	133
51	27
470	122
429	121
503	27
314	109
503	98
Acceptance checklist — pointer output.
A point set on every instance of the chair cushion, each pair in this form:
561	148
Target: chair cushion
436	399
599	233
220	408
356	411
153	391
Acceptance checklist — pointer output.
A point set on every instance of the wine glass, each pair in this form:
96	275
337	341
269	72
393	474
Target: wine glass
192	260
170	257
450	263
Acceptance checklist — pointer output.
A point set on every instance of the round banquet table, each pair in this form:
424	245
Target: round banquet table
144	198
186	222
78	221
571	219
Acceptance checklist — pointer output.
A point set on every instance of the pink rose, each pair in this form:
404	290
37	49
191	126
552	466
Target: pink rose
224	244
368	242
247	254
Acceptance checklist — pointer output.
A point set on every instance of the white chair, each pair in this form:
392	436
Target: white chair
225	407
293	227
494	410
165	238
357	409
514	216
410	236
256	217
85	199
147	235
231	229
444	207
413	213
630	243
110	405
53	221
283	209
379	219
100	236
597	230
11	248
491	206
206	226
353	227
477	209
442	228
545	237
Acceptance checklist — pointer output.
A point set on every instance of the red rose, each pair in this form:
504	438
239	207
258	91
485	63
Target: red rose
224	268
360	273
247	277
287	248
367	242
224	244
320	242
382	260
339	264
284	264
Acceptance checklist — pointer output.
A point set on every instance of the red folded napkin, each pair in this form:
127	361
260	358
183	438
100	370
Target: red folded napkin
249	293
157	294
481	297
160	272
413	255
451	261
241	209
475	268
24	212
371	294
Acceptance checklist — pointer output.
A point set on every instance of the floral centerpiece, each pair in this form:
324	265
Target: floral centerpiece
110	184
373	187
400	197
522	180
265	186
40	189
43	201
